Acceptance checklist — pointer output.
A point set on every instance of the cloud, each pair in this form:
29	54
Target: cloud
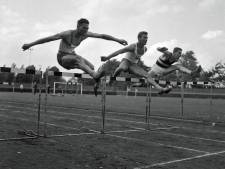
11	23
8	16
212	34
206	4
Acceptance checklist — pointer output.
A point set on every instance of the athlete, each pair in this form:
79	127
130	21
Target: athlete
168	62
71	39
130	61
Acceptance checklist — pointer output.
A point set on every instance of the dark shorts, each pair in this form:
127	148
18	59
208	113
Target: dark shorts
76	58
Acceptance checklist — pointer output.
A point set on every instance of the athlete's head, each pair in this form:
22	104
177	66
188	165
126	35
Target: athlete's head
82	26
177	52
143	37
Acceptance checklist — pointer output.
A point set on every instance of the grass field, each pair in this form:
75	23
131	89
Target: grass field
73	124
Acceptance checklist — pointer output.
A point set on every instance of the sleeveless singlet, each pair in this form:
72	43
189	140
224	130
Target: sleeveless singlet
134	57
165	60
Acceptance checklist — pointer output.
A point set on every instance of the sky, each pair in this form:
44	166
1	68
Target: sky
197	25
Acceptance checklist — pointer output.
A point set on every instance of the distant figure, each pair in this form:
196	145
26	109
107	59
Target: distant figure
21	88
129	63
48	89
71	39
35	88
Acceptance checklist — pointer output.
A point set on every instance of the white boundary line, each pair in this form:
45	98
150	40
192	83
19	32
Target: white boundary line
155	143
71	134
180	160
140	129
18	138
191	137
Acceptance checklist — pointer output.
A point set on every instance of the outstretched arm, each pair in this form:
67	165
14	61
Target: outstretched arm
107	37
45	40
163	50
129	48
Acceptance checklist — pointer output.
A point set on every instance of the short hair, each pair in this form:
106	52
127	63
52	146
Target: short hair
176	49
82	20
142	33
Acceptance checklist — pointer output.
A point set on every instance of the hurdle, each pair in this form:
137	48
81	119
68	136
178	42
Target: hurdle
103	92
16	71
149	95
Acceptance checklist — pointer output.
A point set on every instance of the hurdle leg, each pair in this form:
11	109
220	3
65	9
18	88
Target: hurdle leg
182	98
45	106
211	103
39	106
103	99
148	105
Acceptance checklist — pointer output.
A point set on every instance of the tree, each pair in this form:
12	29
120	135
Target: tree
52	79
206	76
219	72
189	61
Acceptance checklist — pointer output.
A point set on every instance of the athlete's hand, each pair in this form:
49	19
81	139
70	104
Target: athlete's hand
104	58
123	42
26	46
162	49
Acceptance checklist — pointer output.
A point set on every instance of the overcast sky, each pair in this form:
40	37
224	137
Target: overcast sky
197	25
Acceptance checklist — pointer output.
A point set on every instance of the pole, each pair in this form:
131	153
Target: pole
46	98
211	101
182	98
39	105
148	105
103	100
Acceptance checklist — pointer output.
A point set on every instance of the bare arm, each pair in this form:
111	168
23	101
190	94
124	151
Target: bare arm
163	50
44	40
107	37
129	48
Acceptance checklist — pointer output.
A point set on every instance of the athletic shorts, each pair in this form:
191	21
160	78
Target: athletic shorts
158	70
76	57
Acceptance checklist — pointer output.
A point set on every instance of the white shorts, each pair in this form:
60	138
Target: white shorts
157	70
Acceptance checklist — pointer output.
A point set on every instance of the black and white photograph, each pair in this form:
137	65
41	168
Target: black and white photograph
112	84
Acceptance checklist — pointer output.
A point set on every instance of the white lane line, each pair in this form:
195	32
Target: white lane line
123	131
210	131
180	160
191	137
158	144
143	129
17	138
71	134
